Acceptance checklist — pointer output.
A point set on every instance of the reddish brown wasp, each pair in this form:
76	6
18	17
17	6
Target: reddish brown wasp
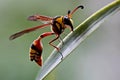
58	24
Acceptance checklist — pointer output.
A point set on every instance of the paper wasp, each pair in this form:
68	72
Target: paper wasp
58	25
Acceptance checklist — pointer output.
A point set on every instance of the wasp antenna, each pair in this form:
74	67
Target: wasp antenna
69	12
81	6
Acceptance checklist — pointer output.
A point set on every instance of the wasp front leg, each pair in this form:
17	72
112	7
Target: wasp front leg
37	48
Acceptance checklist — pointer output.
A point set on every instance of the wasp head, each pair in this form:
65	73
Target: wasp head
67	19
68	22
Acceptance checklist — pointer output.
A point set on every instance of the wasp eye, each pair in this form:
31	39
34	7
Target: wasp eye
68	22
66	19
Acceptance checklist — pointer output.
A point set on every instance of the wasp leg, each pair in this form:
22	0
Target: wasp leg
61	40
57	36
61	55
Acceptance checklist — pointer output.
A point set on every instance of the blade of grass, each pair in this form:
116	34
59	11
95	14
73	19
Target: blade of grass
72	40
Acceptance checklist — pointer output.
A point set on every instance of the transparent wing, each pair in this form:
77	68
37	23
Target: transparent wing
39	17
18	34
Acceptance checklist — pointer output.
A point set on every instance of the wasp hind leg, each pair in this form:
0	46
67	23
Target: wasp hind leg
49	34
58	49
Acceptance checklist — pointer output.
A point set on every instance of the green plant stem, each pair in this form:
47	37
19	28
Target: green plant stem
75	38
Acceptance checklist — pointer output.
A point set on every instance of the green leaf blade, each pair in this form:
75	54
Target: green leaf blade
77	36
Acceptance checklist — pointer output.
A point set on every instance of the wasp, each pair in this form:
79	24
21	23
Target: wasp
58	25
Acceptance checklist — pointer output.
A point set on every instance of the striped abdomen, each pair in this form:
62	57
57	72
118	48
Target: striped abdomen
36	52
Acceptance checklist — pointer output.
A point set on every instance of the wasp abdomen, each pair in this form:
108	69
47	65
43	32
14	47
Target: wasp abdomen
36	52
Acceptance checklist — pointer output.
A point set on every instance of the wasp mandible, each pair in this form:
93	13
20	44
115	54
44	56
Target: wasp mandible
58	25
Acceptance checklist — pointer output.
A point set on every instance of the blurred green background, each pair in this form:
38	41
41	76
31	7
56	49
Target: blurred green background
97	58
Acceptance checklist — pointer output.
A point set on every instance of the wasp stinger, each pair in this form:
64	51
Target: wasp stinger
58	24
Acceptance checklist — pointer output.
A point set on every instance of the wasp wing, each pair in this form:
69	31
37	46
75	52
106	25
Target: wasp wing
18	34
39	17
